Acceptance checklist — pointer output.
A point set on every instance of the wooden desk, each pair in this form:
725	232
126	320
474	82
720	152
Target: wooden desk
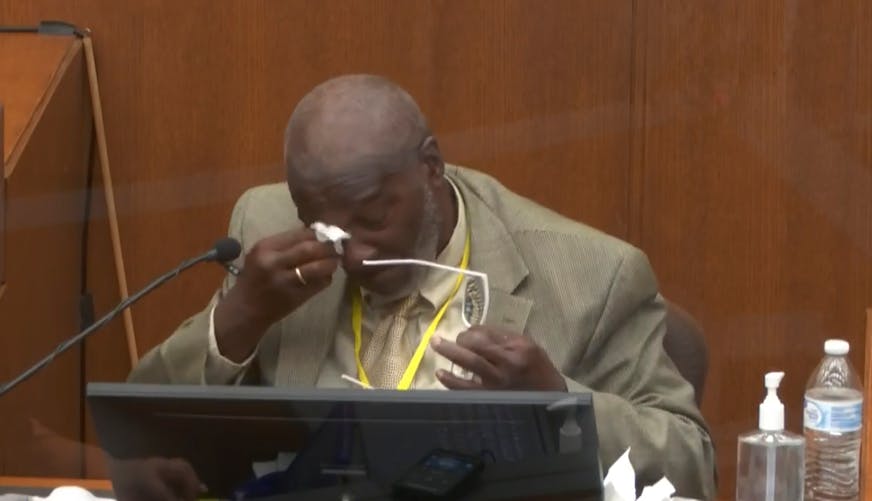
42	486
51	483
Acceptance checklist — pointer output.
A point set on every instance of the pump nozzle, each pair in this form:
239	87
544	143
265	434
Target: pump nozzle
772	410
773	379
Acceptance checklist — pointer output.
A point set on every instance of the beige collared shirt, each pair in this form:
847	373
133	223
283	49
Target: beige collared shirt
435	289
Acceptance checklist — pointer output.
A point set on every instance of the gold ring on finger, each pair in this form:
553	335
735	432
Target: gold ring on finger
300	276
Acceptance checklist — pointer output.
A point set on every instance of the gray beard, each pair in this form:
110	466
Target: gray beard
426	249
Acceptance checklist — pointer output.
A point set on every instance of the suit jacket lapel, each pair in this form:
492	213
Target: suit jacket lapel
308	334
493	252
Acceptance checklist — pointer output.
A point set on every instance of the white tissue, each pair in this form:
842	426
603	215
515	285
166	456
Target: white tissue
620	484
329	233
281	463
72	493
284	459
620	481
660	491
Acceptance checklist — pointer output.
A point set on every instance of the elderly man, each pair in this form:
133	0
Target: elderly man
571	309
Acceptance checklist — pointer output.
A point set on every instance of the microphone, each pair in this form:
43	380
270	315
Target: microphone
226	249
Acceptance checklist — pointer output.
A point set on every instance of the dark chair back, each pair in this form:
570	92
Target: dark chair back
685	344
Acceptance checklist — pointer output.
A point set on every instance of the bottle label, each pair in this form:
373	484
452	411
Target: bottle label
823	415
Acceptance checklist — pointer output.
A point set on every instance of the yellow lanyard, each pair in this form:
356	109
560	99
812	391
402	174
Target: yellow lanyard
409	375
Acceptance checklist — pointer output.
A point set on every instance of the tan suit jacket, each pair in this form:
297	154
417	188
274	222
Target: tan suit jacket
588	299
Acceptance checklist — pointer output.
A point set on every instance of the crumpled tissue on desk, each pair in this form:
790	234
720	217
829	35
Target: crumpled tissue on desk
620	484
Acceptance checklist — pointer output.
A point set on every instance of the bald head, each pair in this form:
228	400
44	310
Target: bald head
350	122
360	156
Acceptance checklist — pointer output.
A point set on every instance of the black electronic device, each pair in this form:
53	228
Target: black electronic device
359	443
441	474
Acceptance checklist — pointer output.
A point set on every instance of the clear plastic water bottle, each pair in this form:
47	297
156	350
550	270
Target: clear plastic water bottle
833	418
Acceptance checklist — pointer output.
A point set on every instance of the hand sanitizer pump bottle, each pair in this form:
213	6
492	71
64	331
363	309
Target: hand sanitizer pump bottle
771	461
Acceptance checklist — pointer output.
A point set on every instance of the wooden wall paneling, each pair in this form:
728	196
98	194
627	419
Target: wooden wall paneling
863	122
2	208
546	88
28	69
196	95
749	149
105	357
41	424
866	453
756	195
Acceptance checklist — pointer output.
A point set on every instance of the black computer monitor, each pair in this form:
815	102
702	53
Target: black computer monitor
354	441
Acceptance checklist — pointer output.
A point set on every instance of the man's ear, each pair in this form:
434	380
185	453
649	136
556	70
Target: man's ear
432	157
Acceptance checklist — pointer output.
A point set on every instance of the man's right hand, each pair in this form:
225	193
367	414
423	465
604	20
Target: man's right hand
269	288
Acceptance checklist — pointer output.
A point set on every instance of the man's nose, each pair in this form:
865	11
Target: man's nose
354	253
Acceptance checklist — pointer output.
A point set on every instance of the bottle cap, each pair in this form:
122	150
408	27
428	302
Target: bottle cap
836	347
772	410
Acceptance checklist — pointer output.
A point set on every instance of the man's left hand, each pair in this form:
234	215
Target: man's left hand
501	359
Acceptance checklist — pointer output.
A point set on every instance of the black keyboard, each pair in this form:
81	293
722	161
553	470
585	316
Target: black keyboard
482	430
